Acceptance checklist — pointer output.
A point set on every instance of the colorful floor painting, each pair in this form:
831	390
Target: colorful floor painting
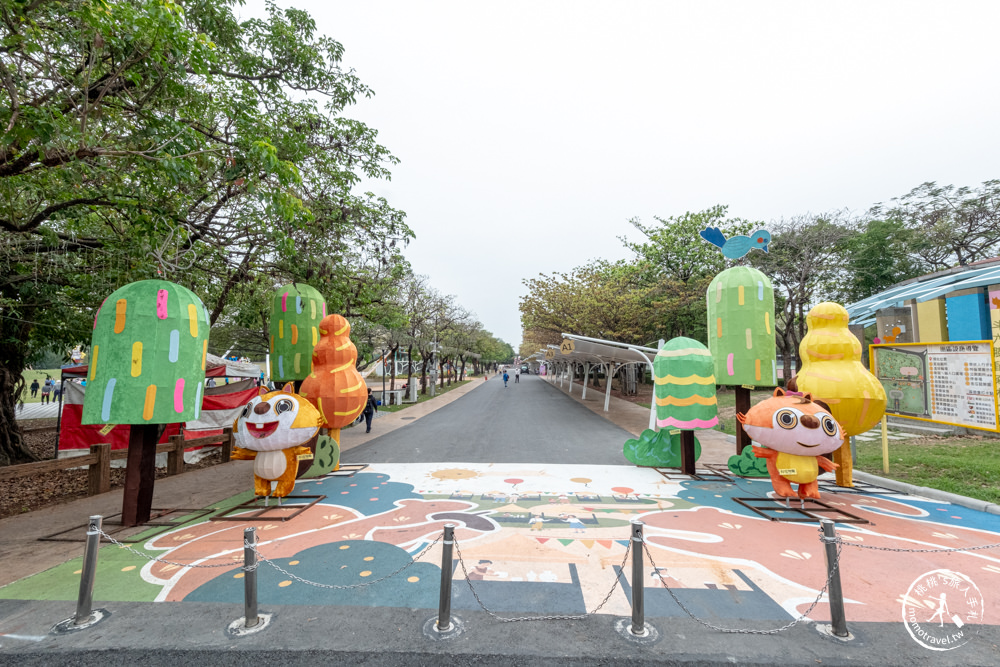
550	540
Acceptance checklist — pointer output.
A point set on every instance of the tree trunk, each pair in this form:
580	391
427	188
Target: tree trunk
12	387
423	371
392	360
409	365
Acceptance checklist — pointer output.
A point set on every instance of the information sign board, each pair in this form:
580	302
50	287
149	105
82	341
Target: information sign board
946	383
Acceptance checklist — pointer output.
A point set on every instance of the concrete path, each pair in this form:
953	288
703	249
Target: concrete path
526	422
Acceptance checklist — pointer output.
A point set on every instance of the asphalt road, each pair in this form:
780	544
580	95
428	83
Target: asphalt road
526	422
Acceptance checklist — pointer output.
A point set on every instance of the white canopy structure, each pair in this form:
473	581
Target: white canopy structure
610	355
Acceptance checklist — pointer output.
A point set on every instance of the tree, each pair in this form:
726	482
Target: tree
675	248
143	139
951	226
875	257
600	299
804	264
681	265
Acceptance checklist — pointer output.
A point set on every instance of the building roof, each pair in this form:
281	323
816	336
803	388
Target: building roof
925	288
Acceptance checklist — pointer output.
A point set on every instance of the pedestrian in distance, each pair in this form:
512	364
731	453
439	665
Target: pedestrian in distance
371	407
517	375
46	390
34	388
505	378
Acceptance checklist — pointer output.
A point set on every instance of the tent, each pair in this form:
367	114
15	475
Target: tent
220	407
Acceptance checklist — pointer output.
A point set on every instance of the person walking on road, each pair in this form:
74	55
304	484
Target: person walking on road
505	378
34	388
517	375
371	407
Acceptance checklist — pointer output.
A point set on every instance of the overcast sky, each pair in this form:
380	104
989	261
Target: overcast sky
531	132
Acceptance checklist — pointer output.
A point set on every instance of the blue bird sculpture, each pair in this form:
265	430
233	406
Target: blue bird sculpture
736	246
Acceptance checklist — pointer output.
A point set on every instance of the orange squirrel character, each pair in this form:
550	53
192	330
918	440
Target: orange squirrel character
795	432
275	429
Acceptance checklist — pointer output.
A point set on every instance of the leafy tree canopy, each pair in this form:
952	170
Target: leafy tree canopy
146	138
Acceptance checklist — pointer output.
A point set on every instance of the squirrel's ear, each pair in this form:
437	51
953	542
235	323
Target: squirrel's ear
289	388
263	390
779	391
807	398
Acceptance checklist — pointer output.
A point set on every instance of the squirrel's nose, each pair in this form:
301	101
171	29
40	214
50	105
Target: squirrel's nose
809	421
262	408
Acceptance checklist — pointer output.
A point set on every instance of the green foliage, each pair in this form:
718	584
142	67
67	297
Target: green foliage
949	226
143	139
677	251
600	299
748	465
879	255
661	448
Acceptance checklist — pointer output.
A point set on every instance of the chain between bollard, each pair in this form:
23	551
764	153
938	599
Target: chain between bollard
262	559
170	562
576	617
747	631
840	540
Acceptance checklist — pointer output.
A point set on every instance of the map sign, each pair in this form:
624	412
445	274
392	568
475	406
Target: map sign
948	383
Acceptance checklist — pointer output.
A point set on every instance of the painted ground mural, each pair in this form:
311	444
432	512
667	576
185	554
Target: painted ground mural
550	539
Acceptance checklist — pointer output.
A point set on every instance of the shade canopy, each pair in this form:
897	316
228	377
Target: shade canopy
925	288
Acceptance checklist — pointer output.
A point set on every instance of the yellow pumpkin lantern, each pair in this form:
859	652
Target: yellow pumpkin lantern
832	372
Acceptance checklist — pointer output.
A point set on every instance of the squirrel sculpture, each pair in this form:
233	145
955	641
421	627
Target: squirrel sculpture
795	432
275	430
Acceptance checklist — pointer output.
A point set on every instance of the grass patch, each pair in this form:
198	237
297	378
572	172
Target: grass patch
967	466
421	398
645	405
727	407
40	376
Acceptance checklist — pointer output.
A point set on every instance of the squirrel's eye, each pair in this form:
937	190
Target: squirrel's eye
284	405
829	426
246	410
786	419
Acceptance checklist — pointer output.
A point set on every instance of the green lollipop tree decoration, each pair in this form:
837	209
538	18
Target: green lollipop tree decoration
147	367
296	311
741	335
685	393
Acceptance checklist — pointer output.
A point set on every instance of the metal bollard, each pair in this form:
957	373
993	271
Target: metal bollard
835	593
638	612
85	600
250	616
444	605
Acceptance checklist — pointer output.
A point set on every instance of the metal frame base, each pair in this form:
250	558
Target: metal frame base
800	510
706	474
346	470
266	513
859	488
109	521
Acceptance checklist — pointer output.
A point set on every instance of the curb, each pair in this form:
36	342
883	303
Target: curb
933	494
926	492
